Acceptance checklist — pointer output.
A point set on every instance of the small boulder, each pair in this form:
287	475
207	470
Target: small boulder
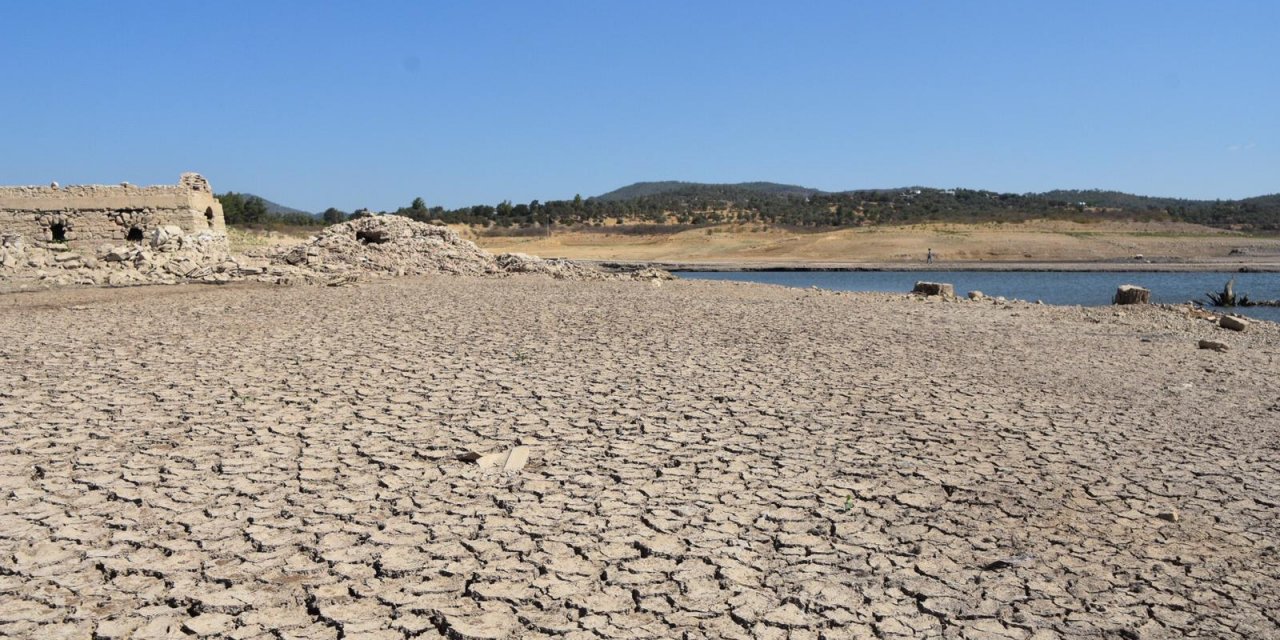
117	254
166	238
942	289
1234	323
1213	345
977	295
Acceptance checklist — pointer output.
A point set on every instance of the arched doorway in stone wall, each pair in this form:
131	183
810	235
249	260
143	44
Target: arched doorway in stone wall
135	234
58	232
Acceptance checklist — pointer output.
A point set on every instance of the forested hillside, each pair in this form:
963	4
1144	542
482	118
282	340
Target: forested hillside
769	203
687	203
702	190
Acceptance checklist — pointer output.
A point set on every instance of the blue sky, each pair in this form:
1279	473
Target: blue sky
346	104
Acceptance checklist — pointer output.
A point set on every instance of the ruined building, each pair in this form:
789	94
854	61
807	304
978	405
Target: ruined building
89	215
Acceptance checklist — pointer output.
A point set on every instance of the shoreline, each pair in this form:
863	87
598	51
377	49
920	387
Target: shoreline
1235	266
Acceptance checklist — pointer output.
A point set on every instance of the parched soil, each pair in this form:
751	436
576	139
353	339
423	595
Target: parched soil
708	460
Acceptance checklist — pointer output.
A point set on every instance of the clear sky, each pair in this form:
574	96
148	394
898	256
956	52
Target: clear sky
349	104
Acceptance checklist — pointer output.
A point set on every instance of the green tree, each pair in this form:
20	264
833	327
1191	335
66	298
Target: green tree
418	204
333	216
232	207
255	210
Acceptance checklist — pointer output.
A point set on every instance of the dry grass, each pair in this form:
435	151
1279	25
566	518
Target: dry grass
242	239
1034	240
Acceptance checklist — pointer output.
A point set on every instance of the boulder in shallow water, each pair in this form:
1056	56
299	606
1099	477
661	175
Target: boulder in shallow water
1131	294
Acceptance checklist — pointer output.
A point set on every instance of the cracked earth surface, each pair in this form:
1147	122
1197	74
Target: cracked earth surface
708	460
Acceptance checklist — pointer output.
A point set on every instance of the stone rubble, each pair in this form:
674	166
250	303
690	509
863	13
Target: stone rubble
342	254
167	257
1213	345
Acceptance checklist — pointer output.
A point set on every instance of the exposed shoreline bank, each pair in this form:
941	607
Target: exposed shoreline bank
1234	266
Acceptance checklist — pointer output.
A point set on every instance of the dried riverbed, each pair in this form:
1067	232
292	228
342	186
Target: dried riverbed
708	460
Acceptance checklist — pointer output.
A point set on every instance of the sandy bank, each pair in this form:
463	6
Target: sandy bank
1033	242
1224	265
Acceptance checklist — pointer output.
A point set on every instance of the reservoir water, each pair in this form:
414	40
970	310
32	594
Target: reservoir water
1053	287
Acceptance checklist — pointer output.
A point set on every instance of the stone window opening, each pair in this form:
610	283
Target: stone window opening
58	231
208	216
371	237
135	234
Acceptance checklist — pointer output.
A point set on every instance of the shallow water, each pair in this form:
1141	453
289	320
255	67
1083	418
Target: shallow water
1053	287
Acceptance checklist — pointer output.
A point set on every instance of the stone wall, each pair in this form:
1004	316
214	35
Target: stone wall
94	214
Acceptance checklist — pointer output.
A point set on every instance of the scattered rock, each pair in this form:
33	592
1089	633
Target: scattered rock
942	289
1170	516
1213	345
1234	323
977	295
1020	560
167	238
511	460
516	460
118	254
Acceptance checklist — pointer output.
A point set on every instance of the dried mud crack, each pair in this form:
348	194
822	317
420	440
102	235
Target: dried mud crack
708	460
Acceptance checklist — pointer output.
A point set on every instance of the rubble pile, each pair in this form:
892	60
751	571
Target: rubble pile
392	245
554	267
395	245
346	253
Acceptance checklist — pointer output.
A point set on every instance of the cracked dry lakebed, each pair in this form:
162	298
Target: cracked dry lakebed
689	460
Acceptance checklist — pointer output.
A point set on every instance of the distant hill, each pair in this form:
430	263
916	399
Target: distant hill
694	203
276	209
1272	200
1116	199
701	189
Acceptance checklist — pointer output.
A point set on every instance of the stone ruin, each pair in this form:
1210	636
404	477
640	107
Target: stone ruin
89	215
346	253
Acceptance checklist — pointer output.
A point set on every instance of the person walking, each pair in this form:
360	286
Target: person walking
928	258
